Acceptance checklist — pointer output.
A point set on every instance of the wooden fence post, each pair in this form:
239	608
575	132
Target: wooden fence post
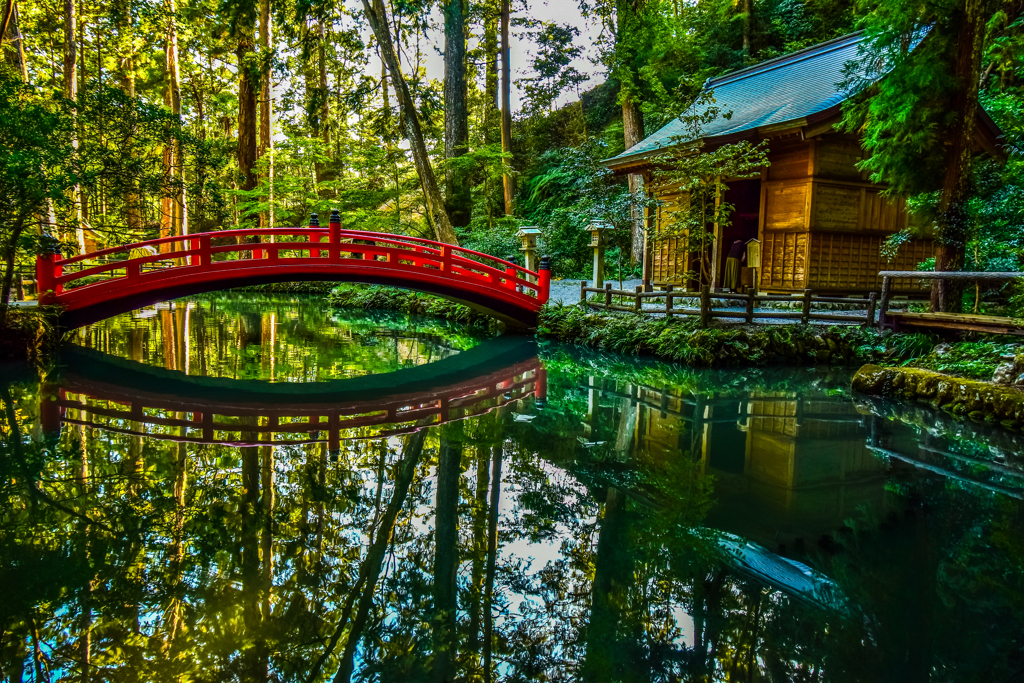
705	306
583	293
872	302
883	305
668	301
607	295
805	315
636	306
750	305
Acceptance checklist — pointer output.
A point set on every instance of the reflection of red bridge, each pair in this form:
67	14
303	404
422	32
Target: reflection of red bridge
103	283
167	417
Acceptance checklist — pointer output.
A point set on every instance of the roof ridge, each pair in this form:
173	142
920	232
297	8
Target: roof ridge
792	57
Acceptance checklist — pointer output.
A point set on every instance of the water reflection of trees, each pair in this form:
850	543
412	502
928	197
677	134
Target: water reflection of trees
263	336
409	558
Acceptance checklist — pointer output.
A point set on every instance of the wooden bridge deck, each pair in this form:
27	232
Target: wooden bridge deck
958	321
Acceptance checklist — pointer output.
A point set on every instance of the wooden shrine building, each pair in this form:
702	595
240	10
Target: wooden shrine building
820	221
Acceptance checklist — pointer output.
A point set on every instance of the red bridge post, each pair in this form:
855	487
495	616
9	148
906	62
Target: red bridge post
45	273
544	280
334	236
314	222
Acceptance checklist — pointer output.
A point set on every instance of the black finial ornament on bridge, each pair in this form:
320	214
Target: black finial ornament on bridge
545	263
335	216
314	220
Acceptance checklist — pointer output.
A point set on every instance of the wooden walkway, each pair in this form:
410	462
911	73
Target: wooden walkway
958	321
966	322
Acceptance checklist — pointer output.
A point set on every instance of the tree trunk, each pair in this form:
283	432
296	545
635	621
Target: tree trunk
479	556
126	78
246	116
13	47
956	186
446	552
508	182
492	112
266	113
492	558
325	106
173	207
748	9
458	202
370	570
436	215
632	127
71	92
9	256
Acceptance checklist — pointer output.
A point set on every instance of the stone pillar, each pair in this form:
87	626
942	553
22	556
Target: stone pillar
597	242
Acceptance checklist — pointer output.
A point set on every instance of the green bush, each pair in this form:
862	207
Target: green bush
391	299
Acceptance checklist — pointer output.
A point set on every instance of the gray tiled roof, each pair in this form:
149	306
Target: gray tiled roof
773	92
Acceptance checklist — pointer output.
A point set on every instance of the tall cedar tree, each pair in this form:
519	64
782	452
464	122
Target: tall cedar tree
243	18
437	216
627	13
508	181
458	200
918	121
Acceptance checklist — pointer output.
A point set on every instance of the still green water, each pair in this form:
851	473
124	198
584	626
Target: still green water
256	488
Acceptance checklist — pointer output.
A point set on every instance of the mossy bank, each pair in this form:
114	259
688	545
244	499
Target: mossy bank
682	341
958	396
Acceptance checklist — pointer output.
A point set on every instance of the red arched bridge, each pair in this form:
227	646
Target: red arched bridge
100	284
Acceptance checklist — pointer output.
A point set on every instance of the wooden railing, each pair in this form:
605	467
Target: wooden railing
748	302
954	321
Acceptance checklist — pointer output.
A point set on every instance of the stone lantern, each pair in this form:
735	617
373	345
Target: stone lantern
597	242
529	234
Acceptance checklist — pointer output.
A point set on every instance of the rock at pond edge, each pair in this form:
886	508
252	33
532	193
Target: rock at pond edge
961	397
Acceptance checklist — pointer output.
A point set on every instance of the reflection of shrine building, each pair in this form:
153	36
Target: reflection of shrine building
788	469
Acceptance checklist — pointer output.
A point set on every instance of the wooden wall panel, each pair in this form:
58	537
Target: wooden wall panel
670	255
837	157
850	262
783	255
788	160
880	213
670	261
785	205
836	207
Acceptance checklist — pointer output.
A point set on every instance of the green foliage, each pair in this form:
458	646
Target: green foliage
686	168
376	297
912	344
680	340
574	191
974	360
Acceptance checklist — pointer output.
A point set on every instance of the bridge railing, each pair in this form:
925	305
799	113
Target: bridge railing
282	246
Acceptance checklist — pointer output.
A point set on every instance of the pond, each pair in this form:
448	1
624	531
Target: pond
254	487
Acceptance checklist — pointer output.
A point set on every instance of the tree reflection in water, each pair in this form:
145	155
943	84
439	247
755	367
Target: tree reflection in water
591	536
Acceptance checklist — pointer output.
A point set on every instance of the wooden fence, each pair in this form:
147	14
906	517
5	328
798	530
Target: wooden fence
748	302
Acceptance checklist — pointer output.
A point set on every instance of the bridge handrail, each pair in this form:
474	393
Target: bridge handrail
316	245
127	248
433	255
320	231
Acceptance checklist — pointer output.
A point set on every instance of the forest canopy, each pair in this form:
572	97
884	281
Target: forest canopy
133	119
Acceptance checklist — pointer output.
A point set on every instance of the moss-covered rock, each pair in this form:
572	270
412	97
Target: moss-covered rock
979	401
